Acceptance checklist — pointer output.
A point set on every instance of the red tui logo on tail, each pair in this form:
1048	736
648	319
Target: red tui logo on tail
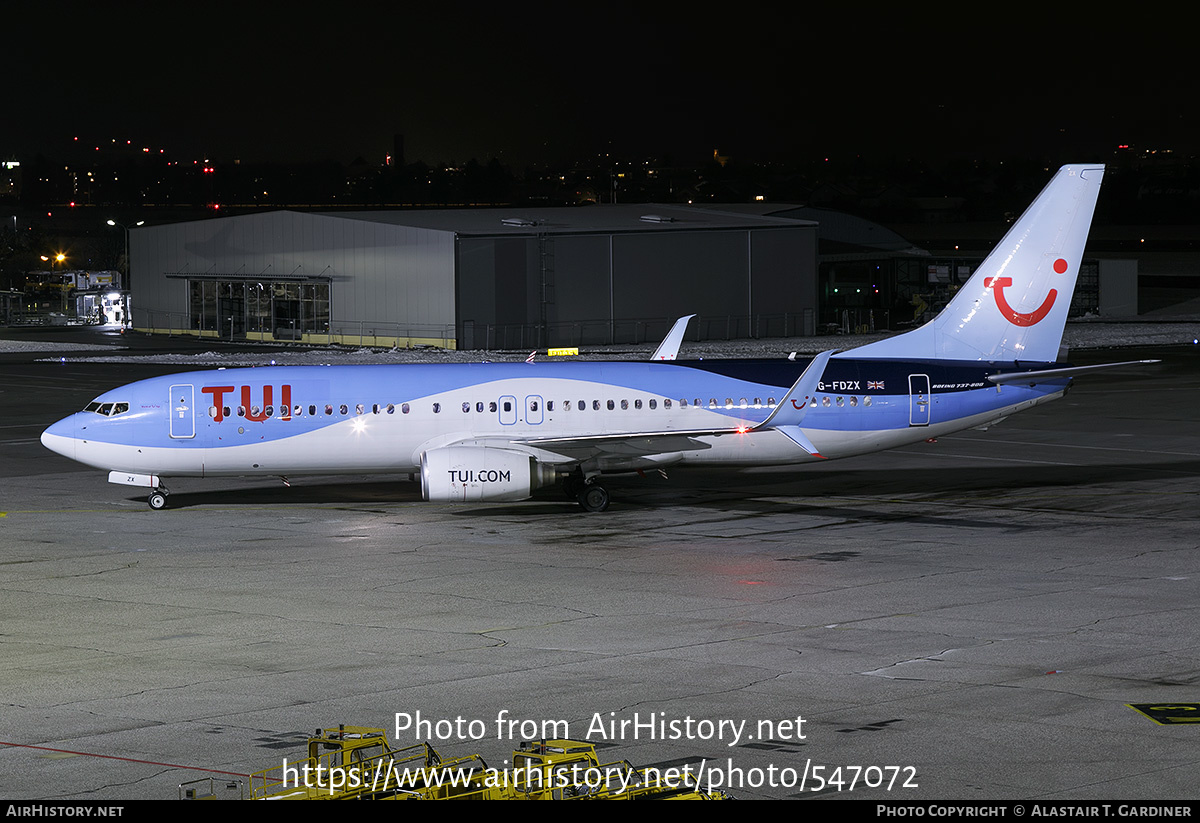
999	284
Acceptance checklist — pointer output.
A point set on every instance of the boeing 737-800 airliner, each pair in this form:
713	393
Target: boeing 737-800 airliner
500	431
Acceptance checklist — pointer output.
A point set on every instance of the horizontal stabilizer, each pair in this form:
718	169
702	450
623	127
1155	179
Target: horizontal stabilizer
1057	374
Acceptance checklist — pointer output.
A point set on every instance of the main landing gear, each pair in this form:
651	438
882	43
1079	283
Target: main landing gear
593	498
591	495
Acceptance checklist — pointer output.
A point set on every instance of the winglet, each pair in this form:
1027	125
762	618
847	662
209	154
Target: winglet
669	347
798	437
794	405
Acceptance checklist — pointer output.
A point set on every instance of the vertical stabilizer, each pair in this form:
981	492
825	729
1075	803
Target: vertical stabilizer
1015	305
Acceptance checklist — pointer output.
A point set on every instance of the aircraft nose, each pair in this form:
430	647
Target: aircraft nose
60	437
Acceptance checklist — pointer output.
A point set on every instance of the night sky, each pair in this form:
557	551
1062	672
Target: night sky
530	82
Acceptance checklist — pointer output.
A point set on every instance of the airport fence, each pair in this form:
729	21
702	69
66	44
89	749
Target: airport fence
497	336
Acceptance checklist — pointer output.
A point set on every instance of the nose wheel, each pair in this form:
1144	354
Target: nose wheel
157	499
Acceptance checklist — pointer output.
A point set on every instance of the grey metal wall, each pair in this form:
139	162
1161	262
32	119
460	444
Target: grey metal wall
1118	288
487	291
628	287
378	273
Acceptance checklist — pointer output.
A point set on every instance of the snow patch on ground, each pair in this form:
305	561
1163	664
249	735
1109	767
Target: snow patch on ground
21	346
1082	335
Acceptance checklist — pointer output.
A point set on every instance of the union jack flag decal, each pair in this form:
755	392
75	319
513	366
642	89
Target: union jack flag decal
874	384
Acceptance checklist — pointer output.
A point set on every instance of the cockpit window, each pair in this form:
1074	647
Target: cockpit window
106	409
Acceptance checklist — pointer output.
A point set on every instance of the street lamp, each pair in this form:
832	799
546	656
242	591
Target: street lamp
60	258
126	228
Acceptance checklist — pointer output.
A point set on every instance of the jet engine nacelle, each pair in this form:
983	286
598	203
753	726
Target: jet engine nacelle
469	474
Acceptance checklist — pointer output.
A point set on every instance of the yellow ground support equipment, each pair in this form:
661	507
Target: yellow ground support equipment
357	763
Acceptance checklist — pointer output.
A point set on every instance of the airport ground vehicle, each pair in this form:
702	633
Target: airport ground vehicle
358	763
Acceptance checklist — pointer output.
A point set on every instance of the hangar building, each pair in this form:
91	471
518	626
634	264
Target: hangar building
487	278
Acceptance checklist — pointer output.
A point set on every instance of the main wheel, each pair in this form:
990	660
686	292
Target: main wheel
157	500
594	498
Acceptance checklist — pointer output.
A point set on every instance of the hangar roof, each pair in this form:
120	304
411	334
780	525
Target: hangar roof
838	232
632	217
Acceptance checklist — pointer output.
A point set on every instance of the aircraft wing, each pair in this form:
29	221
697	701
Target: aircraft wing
628	444
785	418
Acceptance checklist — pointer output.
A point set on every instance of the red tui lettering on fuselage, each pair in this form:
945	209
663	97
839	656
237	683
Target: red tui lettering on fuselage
253	413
